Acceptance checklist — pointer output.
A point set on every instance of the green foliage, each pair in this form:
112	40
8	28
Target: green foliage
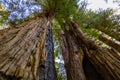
63	8
105	21
47	4
3	15
56	30
66	9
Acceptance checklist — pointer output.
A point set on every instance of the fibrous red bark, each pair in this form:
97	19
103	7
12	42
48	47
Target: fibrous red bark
110	43
73	56
23	51
104	60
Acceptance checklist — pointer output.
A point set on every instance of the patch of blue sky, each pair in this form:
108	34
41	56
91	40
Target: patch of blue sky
21	9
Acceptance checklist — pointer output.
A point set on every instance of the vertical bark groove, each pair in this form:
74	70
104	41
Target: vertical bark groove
23	50
106	63
73	56
110	43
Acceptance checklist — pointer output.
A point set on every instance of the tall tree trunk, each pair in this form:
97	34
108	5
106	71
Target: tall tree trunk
73	56
47	71
23	51
110	43
115	35
105	62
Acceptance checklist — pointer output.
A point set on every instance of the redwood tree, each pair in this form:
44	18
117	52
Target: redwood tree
26	52
106	62
72	55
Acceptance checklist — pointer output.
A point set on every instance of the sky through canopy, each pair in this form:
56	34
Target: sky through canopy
96	4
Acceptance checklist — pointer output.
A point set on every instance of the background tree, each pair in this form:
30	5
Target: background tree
4	13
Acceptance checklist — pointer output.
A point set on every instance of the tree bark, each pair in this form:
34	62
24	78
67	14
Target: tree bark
104	61
73	56
47	71
110	43
23	51
113	34
90	71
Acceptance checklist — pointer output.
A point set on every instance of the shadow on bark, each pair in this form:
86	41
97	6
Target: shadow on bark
104	60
